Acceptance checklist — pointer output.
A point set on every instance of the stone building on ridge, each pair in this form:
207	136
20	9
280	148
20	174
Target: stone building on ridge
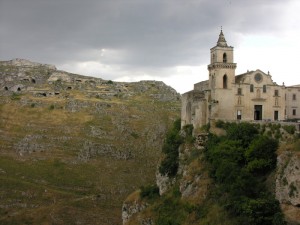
245	97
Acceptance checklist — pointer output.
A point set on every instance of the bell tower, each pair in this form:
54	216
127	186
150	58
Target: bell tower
221	68
221	81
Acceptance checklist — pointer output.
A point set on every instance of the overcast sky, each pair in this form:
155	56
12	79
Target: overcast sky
168	40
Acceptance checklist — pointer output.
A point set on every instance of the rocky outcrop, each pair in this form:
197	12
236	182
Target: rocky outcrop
163	182
288	185
195	181
26	63
132	206
287	180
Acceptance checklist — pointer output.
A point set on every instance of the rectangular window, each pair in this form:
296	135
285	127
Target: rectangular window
275	115
264	89
276	93
294	112
294	96
239	115
251	88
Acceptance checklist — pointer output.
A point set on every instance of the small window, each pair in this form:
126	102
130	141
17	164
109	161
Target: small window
239	114
276	115
276	93
251	88
294	96
239	91
294	112
224	58
264	89
225	81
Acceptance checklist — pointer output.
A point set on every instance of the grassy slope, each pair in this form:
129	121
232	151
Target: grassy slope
51	185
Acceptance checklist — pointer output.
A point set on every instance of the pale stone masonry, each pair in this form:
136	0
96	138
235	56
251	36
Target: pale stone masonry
245	97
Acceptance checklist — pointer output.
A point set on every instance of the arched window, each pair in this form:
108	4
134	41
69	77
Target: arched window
251	88
225	81
224	58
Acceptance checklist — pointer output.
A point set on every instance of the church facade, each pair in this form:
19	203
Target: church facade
245	97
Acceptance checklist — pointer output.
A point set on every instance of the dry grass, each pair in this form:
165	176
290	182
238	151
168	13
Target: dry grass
52	186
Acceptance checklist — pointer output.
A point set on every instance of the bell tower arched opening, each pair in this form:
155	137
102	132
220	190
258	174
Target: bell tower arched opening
224	58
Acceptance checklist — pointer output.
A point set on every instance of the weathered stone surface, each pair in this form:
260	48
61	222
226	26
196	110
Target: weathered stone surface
163	182
131	208
30	144
27	63
59	76
287	179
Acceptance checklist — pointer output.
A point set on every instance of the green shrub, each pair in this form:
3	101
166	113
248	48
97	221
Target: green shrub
206	127
220	124
244	132
261	154
134	135
239	162
188	129
289	128
15	97
150	192
169	164
171	210
51	107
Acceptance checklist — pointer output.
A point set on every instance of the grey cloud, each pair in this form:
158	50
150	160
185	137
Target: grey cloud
150	33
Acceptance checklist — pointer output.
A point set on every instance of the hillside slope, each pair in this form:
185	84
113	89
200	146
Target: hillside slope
73	147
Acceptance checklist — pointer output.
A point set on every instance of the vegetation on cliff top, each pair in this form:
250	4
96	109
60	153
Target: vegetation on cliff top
240	163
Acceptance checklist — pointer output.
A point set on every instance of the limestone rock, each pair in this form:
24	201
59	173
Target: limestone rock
24	62
29	144
287	180
163	182
59	76
131	208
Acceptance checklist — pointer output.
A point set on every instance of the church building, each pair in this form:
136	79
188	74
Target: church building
245	97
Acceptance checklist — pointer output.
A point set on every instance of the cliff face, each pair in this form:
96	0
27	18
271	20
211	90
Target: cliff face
194	185
73	147
288	185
